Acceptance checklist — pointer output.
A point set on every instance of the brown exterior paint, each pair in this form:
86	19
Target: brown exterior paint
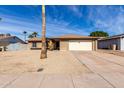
38	45
64	45
94	45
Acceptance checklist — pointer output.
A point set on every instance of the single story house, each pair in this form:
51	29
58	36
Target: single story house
6	40
107	43
35	43
68	42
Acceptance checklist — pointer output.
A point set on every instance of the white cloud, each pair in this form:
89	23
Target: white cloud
54	30
75	10
107	18
16	25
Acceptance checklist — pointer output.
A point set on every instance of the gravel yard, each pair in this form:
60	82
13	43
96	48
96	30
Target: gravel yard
28	61
117	52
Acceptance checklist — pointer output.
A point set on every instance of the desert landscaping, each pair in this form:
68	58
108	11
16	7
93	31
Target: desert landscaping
61	69
29	61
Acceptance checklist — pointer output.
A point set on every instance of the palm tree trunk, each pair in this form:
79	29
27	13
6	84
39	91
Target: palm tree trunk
43	49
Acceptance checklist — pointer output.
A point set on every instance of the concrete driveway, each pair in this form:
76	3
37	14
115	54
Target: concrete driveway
64	69
109	67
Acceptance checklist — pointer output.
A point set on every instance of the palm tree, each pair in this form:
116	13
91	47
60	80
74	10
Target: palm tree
43	49
25	33
35	34
30	36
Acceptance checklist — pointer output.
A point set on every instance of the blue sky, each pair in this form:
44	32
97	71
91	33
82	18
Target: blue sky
62	20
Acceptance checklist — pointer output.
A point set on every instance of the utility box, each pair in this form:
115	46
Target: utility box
114	47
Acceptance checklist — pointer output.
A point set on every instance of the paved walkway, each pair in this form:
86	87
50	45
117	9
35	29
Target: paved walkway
105	71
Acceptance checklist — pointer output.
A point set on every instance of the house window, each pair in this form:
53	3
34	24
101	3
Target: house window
34	44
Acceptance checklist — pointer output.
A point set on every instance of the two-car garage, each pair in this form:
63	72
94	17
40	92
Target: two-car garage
75	45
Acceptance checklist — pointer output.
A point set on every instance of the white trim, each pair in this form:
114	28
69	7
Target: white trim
121	43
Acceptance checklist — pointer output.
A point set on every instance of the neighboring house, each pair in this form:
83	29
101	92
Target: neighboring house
17	46
8	40
68	42
34	43
107	43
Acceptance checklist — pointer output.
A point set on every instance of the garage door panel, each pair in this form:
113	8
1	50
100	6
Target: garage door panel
77	45
73	45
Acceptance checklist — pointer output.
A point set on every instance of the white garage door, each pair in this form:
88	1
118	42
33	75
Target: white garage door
80	45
